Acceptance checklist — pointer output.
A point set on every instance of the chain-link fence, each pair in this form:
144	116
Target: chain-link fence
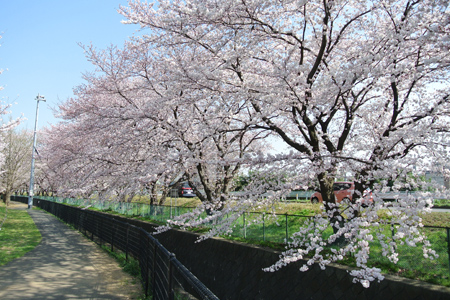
251	225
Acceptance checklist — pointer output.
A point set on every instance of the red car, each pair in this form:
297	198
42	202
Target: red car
184	190
343	191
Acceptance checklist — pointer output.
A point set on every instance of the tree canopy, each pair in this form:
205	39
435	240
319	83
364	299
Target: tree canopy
354	87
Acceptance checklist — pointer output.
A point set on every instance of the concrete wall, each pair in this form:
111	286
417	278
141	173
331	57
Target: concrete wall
234	271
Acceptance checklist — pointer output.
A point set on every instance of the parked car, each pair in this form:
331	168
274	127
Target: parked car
343	191
184	190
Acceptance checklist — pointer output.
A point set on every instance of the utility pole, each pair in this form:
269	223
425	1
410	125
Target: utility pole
31	191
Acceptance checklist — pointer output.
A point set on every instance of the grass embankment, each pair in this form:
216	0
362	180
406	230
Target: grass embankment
411	264
291	215
18	235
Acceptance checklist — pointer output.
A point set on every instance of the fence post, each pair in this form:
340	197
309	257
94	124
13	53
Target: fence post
264	227
147	265
126	247
393	234
80	221
92	228
448	246
153	273
171	258
100	233
245	227
144	243
113	235
287	233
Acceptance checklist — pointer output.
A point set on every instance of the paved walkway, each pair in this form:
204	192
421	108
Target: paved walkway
65	265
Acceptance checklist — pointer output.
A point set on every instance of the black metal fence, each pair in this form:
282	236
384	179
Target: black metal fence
268	227
163	276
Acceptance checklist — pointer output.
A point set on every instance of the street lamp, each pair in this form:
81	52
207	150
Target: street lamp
30	193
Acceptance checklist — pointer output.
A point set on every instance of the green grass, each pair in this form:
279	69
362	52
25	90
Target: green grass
441	202
412	263
436	219
18	234
271	232
268	227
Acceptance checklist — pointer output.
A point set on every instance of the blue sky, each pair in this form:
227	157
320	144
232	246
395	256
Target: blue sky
39	49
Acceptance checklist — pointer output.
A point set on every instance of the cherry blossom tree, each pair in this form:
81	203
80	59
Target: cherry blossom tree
347	85
16	166
130	131
6	162
5	144
132	114
89	153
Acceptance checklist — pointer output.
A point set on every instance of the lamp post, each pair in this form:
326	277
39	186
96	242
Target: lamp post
31	191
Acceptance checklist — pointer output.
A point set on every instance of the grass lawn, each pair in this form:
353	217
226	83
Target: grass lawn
18	235
411	262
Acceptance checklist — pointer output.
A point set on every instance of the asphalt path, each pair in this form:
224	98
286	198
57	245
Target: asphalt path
65	265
